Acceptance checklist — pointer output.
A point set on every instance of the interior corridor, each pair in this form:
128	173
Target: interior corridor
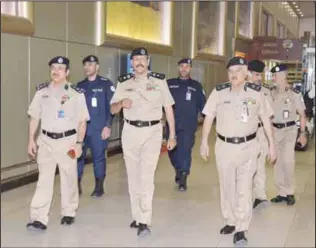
180	219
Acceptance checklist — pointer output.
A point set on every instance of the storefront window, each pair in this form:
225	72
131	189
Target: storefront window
10	8
266	24
245	19
209	27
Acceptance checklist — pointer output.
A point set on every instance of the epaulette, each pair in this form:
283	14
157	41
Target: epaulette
42	86
124	77
256	87
79	90
157	75
266	86
104	79
295	90
222	86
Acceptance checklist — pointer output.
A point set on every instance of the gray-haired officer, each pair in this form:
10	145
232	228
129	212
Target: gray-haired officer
256	68
63	113
98	92
287	101
237	106
142	96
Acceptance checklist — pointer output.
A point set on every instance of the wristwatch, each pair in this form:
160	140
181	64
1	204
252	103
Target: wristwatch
172	137
303	132
80	143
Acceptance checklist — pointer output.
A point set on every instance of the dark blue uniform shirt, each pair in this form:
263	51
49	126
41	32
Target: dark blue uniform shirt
98	95
189	98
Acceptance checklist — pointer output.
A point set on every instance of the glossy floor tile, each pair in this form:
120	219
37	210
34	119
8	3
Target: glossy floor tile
180	219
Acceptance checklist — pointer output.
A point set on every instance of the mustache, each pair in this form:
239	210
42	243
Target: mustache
140	65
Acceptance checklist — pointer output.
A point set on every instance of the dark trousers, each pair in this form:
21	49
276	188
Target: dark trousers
97	147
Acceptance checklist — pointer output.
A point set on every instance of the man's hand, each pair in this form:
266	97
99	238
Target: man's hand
272	154
127	103
32	148
171	144
78	150
106	132
204	150
302	139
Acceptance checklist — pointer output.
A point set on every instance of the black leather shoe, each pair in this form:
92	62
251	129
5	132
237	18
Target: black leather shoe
183	182
133	224
278	199
79	187
143	230
37	225
290	200
240	238
177	177
68	220
258	202
98	190
227	229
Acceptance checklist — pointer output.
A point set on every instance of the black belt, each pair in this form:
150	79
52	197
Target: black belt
142	123
237	140
260	124
59	135
283	125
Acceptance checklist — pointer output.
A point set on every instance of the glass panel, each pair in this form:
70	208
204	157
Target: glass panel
208	33
264	24
244	18
9	8
230	28
279	30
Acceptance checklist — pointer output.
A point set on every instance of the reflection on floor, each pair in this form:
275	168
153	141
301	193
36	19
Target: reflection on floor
180	219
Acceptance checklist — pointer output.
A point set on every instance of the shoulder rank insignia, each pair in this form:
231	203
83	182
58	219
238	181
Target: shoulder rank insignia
79	90
157	75
256	87
222	86
266	86
125	77
42	86
104	79
295	90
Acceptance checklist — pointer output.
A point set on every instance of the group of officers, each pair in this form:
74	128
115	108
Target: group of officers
253	120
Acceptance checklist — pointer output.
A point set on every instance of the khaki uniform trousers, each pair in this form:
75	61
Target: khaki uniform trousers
50	153
236	165
259	180
284	167
141	149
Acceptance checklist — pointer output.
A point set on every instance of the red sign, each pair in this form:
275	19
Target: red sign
268	47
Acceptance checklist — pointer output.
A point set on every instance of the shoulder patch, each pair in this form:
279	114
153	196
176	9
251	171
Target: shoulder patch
157	75
222	86
79	90
124	77
42	86
295	90
266	86
253	86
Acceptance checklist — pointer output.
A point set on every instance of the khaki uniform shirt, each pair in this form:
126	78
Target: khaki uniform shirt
286	105
148	96
237	112
59	108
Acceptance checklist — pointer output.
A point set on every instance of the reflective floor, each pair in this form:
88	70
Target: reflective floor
180	219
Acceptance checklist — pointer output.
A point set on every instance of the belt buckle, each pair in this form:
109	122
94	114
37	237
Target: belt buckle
54	136
235	140
138	123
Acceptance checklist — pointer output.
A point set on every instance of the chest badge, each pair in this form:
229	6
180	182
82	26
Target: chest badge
64	99
151	87
251	101
287	100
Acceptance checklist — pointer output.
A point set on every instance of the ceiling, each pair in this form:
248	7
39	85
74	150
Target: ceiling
307	8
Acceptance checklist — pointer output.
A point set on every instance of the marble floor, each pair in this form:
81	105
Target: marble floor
180	219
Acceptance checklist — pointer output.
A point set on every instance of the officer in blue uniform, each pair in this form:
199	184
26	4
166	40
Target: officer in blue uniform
98	93
189	98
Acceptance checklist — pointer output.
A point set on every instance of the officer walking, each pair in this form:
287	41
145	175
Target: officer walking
236	105
98	92
189	100
142	96
256	68
63	113
287	101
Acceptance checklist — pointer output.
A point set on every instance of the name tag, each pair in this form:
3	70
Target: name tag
188	96
61	114
94	102
286	114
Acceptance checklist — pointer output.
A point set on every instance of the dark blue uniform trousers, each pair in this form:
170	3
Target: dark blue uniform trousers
97	147
181	156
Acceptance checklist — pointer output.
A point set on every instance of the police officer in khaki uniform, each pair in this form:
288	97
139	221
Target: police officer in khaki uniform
256	68
142	96
287	101
63	113
237	106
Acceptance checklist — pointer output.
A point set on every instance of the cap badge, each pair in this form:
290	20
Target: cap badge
142	51
60	60
277	68
92	58
241	61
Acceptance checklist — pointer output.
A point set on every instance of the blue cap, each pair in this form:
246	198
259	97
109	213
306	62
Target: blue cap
279	68
185	61
59	60
90	58
139	51
256	66
236	61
